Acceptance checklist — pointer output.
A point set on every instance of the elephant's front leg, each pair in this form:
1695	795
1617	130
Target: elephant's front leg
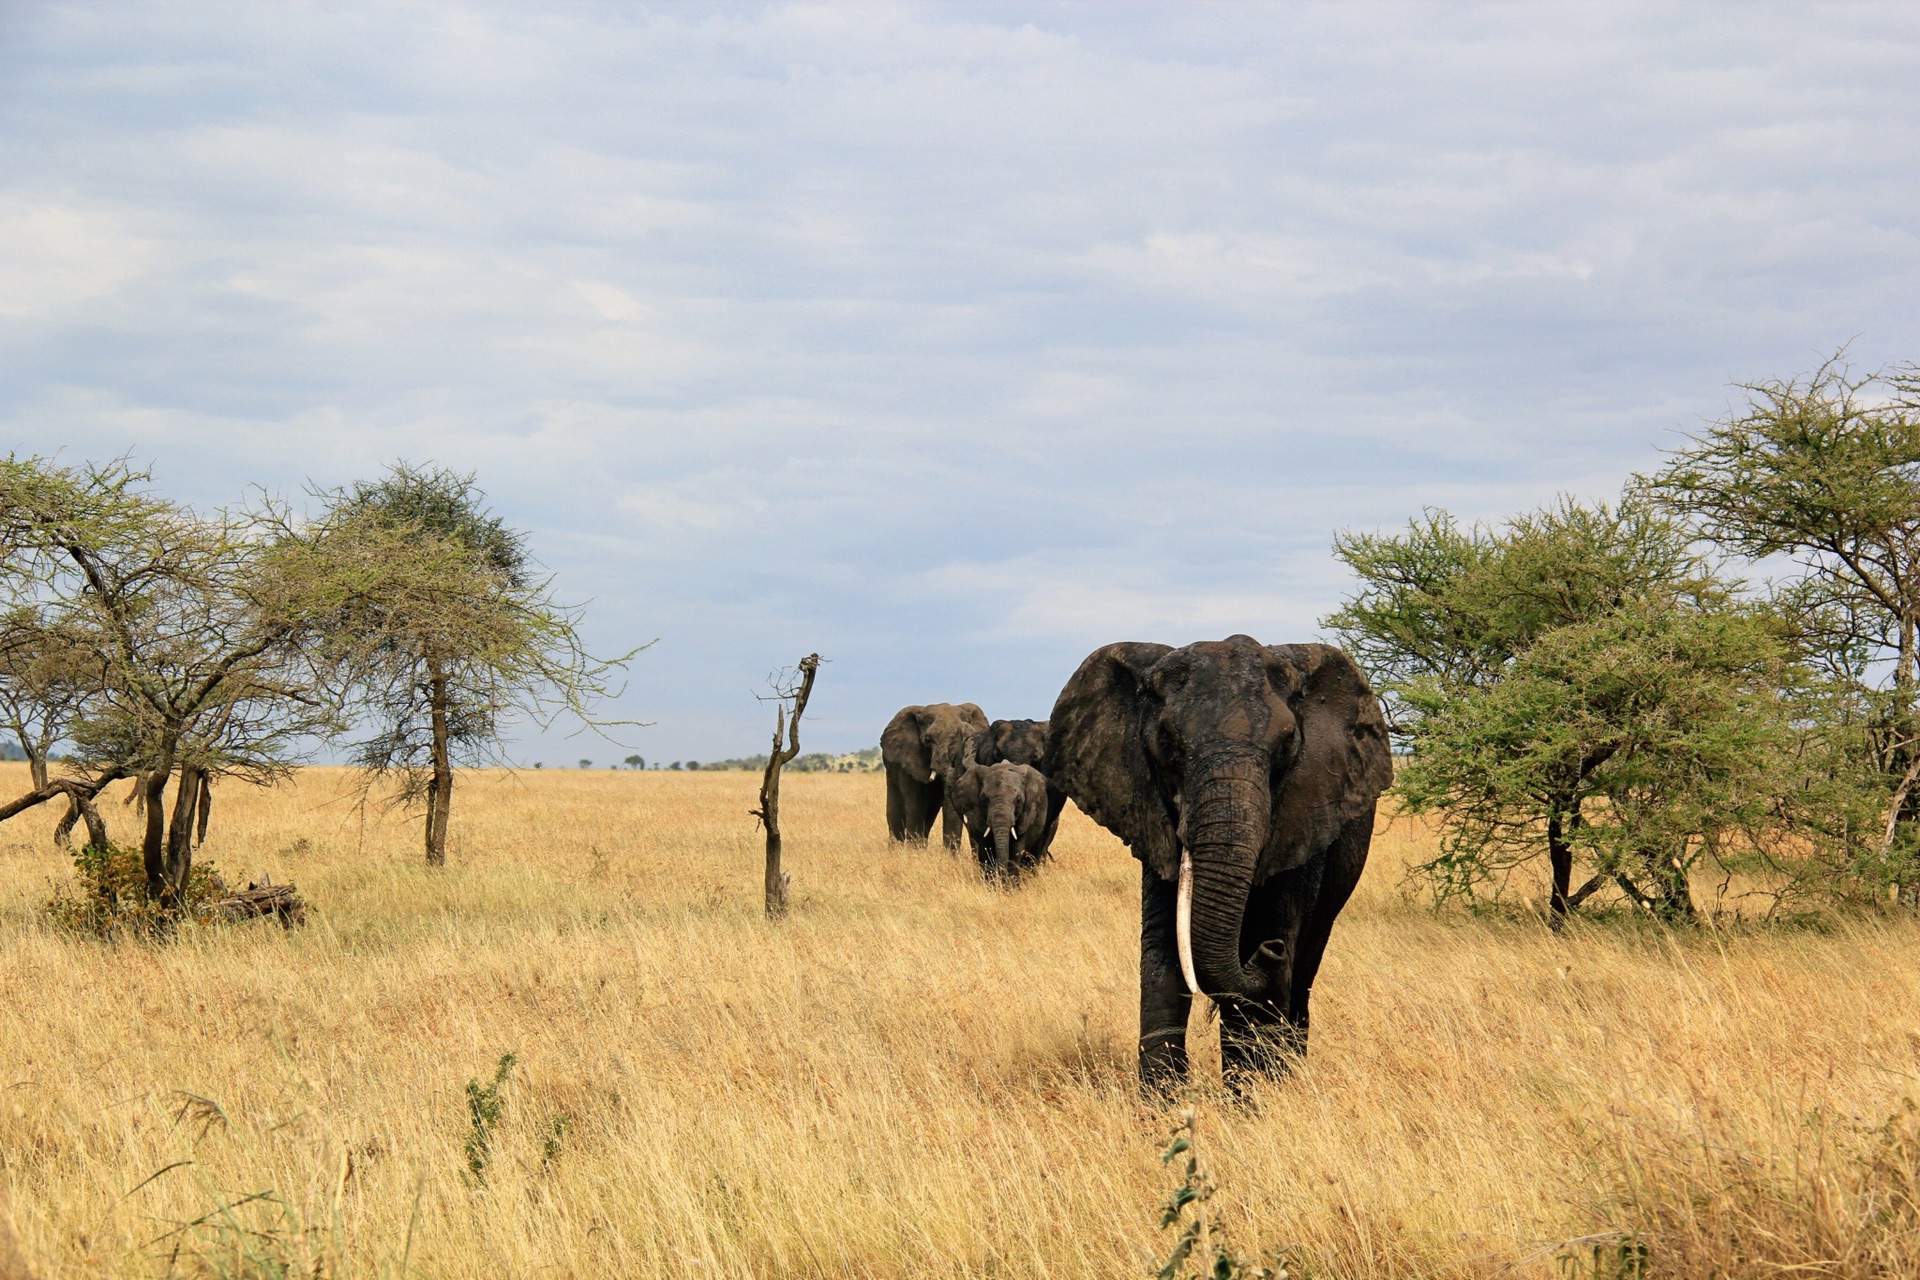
1262	1038
1164	998
951	824
1056	805
896	803
982	850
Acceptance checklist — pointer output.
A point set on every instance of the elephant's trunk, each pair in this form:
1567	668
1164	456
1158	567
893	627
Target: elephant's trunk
1228	803
1002	847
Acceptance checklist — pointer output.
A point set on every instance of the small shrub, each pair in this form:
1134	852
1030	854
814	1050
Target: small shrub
1186	1207
485	1106
557	1129
109	896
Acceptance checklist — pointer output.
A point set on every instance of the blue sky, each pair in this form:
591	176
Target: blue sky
948	340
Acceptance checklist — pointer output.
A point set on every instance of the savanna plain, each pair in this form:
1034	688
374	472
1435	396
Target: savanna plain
915	1074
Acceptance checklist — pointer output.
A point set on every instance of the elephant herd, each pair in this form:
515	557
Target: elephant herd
1243	777
947	760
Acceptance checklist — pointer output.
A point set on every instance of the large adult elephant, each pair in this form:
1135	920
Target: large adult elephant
1022	742
1244	778
924	749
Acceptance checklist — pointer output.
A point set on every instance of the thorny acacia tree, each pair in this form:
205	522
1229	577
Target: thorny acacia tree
1640	742
439	630
1825	469
1565	657
189	637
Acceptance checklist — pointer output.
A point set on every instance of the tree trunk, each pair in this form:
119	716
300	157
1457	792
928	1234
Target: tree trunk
96	825
36	761
1906	754
80	806
1560	855
1903	672
775	880
440	791
186	800
206	807
153	845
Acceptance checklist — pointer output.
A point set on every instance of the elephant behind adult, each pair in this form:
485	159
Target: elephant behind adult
1005	808
1017	741
1022	742
923	748
1244	777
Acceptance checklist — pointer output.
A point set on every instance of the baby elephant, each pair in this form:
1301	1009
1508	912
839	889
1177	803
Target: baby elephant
1005	808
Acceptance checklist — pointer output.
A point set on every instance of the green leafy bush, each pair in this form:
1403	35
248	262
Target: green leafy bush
1201	1239
108	897
485	1107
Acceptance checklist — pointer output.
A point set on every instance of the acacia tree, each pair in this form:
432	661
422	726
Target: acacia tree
1506	659
1825	470
440	631
1640	741
190	641
1450	607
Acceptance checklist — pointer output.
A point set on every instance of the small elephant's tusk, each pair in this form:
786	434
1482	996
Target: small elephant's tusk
1183	922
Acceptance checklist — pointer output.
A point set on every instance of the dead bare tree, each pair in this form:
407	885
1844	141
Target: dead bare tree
788	728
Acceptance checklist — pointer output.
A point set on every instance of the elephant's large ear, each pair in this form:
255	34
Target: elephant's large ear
904	743
965	791
1096	750
1344	763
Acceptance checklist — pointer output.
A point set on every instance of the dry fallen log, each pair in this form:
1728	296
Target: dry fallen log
264	899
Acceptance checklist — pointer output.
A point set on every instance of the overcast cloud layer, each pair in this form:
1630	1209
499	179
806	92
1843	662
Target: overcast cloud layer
950	341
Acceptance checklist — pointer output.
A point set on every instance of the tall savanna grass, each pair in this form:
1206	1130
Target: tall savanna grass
913	1075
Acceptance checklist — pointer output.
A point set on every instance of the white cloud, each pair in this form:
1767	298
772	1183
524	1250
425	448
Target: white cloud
1087	604
55	257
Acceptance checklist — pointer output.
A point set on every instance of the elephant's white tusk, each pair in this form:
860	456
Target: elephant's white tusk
1183	921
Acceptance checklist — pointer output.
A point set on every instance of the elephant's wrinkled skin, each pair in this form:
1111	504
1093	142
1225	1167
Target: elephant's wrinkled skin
1244	778
1005	809
924	749
1022	742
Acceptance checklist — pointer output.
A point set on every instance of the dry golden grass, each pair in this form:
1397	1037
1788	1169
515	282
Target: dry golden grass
913	1075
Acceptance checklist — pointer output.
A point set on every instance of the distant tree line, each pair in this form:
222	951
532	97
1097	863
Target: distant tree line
865	761
181	649
814	762
1596	687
